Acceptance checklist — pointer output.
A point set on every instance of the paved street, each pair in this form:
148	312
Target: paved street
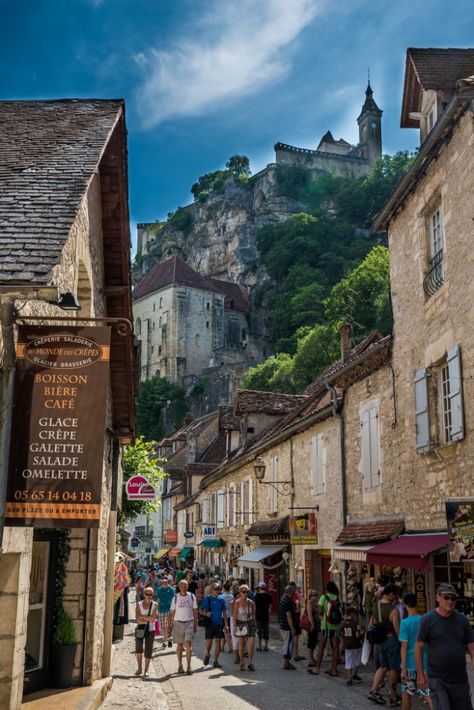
269	688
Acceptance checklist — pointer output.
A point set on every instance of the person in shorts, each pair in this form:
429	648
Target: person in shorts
331	617
352	636
145	614
183	617
385	613
164	597
228	598
214	607
407	636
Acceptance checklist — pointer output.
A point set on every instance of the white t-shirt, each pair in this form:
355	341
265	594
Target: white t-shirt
148	612
183	606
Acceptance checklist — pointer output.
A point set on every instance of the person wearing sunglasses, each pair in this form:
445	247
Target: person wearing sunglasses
146	611
448	634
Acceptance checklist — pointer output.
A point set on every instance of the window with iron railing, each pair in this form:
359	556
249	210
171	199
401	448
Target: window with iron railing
434	276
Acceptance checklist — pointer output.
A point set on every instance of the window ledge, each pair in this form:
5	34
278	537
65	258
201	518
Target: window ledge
445	451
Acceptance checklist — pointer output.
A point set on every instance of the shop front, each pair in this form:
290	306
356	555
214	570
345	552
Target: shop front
212	556
269	564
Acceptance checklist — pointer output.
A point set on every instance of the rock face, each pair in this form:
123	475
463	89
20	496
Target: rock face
219	236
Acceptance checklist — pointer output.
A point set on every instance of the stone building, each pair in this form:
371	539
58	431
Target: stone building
188	324
338	156
64	229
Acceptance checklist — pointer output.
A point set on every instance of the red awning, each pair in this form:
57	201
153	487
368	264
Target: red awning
175	552
407	551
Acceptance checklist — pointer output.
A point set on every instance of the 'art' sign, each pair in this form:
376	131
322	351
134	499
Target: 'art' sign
139	488
58	427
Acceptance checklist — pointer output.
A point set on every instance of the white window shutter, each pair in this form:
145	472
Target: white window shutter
273	491
374	447
242	503
250	501
422	416
220	509
365	449
455	393
320	464
313	463
228	507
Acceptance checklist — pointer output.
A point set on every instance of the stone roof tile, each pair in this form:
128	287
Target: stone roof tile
266	402
49	151
357	533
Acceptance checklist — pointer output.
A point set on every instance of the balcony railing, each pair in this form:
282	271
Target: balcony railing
434	277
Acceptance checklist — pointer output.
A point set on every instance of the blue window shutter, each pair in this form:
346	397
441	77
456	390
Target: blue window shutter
455	393
422	415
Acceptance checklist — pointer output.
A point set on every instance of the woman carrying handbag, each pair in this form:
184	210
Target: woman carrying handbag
243	614
145	613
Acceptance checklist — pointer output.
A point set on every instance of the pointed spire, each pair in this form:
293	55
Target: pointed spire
369	103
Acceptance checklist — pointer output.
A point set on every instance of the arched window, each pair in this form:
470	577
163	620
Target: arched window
138	326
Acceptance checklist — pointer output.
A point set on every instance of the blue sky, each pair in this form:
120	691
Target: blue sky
204	79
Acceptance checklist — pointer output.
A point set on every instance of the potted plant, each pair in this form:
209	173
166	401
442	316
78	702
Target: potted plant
63	650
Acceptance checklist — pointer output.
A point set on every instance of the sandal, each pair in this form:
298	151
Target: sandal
242	667
138	672
189	671
181	669
251	667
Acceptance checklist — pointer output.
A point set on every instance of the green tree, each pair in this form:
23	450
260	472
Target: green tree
140	459
273	375
155	397
315	351
239	166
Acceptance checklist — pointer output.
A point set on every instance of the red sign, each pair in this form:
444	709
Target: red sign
171	537
139	488
58	431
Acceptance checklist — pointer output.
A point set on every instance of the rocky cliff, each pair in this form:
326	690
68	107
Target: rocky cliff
217	237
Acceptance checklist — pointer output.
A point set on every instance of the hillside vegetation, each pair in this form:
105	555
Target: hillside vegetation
324	268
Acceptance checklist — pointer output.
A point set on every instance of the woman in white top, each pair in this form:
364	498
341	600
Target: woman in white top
243	614
145	613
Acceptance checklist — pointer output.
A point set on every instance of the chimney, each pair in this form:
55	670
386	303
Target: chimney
346	341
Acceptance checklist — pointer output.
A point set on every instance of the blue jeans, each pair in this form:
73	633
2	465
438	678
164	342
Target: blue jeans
390	654
450	696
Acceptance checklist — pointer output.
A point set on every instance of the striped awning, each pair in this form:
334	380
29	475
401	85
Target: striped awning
351	553
161	553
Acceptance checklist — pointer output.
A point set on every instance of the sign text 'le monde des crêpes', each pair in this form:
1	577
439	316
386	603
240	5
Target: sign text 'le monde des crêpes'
58	428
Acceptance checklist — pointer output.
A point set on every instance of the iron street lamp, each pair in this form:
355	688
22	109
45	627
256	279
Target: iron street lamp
282	487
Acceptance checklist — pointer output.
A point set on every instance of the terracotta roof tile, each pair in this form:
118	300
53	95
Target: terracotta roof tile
234	299
367	532
277	526
227	418
49	152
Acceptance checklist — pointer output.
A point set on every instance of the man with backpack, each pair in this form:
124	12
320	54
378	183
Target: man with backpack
329	607
383	630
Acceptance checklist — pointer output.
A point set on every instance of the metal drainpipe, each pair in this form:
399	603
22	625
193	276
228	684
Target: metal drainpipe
8	378
342	445
111	543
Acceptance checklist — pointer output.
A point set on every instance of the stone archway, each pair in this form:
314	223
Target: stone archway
260	198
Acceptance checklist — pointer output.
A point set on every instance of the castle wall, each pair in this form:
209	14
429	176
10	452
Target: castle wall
343	165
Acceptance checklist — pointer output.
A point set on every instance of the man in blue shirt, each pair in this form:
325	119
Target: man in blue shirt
164	597
213	607
407	636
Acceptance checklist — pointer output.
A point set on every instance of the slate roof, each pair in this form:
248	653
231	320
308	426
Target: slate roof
49	151
372	531
276	526
432	68
266	402
227	418
175	271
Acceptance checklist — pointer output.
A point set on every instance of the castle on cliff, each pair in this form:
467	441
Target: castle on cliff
338	156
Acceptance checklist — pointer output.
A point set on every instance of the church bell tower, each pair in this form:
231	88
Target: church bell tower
370	128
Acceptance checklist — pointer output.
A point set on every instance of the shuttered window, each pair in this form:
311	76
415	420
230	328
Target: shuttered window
220	509
422	414
455	394
318	464
250	501
273	506
370	447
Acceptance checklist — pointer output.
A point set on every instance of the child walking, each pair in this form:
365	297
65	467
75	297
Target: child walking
352	636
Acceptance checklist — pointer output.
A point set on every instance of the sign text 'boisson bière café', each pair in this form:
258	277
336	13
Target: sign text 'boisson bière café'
58	428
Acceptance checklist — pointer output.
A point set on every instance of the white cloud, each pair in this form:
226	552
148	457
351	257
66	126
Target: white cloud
234	49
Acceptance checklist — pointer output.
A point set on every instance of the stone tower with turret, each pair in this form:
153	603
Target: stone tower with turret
370	128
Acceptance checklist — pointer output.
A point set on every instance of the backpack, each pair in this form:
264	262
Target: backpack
333	611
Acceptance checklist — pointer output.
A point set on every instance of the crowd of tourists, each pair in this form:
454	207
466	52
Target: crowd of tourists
414	655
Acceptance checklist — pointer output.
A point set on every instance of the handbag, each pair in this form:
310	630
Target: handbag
240	631
378	632
140	630
305	622
205	621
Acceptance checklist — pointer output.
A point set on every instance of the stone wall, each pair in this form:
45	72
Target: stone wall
345	166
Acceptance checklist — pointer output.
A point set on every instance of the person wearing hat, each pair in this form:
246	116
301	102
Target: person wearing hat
263	603
447	633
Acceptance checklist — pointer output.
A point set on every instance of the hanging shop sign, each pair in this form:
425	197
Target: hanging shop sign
209	531
171	537
303	529
460	519
134	542
58	427
188	534
139	488
420	590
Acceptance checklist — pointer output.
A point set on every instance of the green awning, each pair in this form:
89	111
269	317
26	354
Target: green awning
184	553
212	542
